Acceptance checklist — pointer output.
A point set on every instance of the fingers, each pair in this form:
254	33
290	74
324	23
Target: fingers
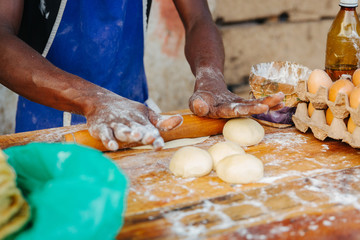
165	122
147	134
201	103
158	144
105	134
234	110
277	107
228	105
199	106
244	109
273	100
122	132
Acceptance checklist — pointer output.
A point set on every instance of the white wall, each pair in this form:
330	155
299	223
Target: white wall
8	101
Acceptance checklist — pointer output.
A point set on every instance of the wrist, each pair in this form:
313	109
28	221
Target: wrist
208	78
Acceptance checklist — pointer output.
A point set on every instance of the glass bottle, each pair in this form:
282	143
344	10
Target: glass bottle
343	42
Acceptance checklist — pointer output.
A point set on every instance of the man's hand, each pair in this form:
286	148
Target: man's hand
117	118
212	99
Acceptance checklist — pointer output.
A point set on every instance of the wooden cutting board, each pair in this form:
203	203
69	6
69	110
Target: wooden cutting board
309	191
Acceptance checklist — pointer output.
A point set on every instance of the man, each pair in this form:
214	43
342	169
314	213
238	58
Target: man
86	57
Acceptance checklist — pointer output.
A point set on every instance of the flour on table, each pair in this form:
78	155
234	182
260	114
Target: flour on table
284	140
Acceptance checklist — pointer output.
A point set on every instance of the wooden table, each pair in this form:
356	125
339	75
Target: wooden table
310	190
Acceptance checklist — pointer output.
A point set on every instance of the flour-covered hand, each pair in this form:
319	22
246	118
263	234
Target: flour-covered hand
211	98
117	118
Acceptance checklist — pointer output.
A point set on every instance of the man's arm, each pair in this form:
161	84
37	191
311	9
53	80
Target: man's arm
26	72
205	53
109	116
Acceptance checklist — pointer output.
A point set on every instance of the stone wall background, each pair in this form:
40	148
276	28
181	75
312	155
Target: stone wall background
253	32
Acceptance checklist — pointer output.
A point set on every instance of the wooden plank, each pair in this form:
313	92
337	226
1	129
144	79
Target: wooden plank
312	206
343	224
303	177
45	135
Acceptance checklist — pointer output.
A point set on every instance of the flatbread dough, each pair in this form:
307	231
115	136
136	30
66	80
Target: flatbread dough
177	143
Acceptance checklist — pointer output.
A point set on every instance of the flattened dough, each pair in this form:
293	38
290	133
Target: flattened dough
177	143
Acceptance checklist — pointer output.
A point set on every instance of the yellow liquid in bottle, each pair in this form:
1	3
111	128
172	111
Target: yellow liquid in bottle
343	44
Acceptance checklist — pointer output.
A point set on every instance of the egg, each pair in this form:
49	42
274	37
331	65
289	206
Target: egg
351	125
340	86
329	116
318	78
356	77
354	98
310	109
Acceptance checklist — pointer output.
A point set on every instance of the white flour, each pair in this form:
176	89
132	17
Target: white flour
285	140
288	73
337	196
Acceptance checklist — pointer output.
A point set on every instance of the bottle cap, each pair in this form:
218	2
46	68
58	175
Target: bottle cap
348	3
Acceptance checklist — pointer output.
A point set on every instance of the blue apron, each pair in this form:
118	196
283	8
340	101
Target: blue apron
101	41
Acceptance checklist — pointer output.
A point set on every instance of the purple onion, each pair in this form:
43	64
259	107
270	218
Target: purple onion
283	116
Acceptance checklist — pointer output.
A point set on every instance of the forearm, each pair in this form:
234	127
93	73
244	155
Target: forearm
204	47
27	73
205	54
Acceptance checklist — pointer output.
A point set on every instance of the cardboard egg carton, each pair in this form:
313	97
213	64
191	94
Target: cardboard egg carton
317	122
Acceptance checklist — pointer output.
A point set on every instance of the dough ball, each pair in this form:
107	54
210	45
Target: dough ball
243	131
223	149
191	162
240	168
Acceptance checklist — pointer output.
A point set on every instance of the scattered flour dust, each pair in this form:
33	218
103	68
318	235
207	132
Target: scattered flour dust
289	73
285	140
193	231
211	216
324	148
291	142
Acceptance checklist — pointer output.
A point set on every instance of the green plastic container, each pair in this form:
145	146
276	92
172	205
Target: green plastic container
74	192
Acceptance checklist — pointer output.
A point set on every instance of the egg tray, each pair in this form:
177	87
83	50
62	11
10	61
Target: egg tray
317	122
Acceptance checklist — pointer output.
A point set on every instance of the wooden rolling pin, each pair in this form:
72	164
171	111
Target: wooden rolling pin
192	127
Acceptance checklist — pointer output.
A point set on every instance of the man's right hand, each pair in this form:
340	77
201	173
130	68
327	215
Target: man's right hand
116	118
